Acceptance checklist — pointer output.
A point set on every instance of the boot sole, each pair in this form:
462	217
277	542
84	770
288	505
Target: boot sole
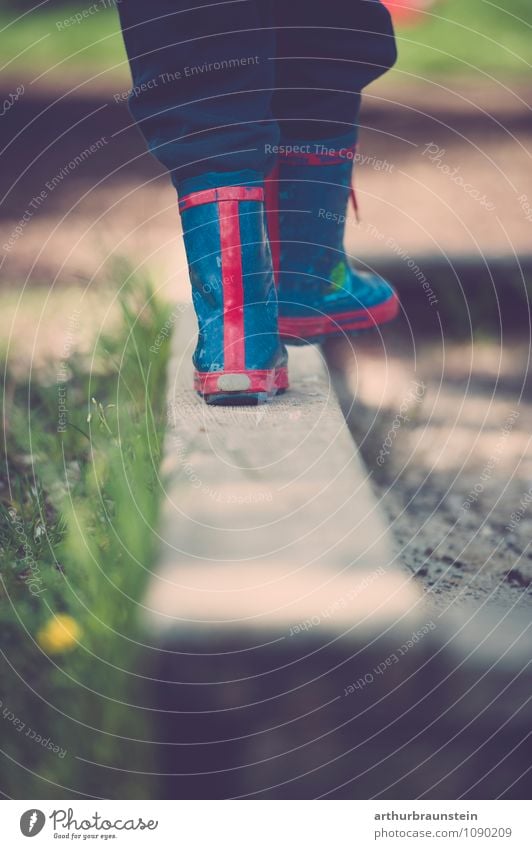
250	387
316	329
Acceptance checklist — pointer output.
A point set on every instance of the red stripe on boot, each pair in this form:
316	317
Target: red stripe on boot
233	287
222	193
271	194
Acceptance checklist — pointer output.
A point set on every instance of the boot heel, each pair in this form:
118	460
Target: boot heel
248	387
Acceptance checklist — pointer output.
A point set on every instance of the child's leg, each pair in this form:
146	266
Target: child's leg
202	82
202	90
327	52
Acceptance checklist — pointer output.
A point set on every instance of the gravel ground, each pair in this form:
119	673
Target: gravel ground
445	432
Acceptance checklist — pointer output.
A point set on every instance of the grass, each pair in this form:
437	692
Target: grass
78	509
464	37
39	42
469	38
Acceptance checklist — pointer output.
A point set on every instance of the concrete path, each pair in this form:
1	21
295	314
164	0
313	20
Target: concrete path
269	516
297	657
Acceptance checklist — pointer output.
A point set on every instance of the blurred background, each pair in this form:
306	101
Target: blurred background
91	261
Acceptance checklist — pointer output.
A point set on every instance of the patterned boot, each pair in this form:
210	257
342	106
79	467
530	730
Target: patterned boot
239	358
320	294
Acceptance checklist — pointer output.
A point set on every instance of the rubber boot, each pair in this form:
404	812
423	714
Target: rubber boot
320	294
239	358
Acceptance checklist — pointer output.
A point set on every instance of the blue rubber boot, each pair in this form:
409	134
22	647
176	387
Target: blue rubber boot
239	358
320	294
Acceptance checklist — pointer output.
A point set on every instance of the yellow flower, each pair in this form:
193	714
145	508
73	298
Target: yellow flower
59	634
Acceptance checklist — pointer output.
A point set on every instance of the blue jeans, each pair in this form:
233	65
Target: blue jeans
217	86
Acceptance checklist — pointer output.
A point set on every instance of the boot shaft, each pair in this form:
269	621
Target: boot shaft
318	181
233	291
